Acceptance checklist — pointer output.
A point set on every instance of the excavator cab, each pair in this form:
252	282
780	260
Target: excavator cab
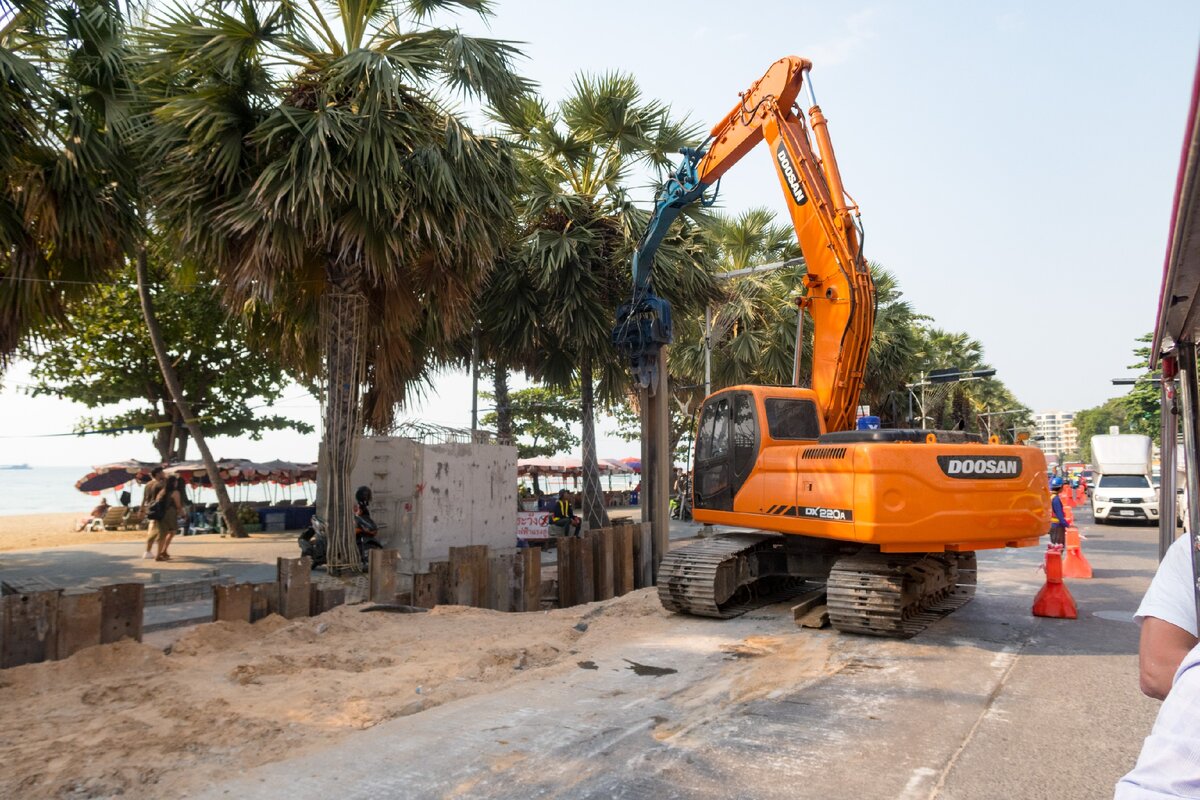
735	424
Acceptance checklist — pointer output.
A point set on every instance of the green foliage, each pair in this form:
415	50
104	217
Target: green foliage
300	162
541	418
684	407
1143	404
1092	421
102	357
67	183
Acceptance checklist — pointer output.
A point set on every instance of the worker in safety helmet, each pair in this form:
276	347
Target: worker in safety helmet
1058	517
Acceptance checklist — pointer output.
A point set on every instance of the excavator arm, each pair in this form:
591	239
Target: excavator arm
838	293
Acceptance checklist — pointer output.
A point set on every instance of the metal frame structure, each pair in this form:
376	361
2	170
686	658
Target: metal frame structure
1176	335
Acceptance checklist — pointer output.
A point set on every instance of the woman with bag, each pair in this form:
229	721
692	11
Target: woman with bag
163	513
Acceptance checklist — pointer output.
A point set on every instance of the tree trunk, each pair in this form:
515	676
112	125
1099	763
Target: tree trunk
344	314
168	373
503	410
593	510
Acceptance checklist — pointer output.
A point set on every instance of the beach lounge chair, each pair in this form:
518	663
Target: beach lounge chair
134	519
113	517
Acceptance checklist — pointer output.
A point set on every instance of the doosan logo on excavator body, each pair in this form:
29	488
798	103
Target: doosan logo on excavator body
790	175
971	466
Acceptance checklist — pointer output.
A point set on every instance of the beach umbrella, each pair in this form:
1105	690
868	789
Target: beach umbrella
114	475
632	462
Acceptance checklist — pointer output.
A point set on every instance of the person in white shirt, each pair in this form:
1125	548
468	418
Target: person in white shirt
1169	764
1168	619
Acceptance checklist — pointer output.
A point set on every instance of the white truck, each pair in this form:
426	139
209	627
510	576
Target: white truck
1123	489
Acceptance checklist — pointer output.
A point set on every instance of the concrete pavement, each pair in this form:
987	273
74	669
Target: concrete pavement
990	702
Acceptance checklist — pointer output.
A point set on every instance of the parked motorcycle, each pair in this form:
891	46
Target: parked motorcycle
314	541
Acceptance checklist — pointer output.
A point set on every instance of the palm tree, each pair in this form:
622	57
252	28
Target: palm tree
309	154
571	264
753	336
67	186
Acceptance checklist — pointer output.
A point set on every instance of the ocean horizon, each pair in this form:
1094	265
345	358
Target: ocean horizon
51	490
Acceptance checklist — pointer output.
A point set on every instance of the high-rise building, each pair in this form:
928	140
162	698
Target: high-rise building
1057	432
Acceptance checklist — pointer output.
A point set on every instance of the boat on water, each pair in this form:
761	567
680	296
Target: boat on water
15	466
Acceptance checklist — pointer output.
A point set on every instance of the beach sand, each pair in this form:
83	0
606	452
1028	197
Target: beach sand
26	531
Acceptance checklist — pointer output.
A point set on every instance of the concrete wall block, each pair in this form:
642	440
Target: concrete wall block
233	603
29	627
429	498
293	578
381	575
121	612
79	619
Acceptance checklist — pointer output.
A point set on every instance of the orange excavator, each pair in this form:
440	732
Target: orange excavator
888	519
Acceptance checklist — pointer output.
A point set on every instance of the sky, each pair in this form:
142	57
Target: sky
1015	165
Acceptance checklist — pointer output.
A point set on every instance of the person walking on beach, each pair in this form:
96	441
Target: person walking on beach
171	497
149	496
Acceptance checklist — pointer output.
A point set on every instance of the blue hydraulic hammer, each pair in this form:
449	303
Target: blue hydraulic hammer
644	324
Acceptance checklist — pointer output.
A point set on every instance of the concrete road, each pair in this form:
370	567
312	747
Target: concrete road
990	702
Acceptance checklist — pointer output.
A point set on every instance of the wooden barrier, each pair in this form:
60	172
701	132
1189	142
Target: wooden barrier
575	580
293	576
602	563
623	560
233	602
264	600
28	627
121	612
79	619
440	570
324	598
643	555
529	563
425	590
504	583
469	574
381	576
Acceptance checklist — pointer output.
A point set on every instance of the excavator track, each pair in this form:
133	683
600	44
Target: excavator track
719	577
898	595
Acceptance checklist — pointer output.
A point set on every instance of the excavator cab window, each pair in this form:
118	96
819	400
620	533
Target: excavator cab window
726	449
790	418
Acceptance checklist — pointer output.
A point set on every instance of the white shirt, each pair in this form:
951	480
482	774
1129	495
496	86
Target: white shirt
1169	765
1170	596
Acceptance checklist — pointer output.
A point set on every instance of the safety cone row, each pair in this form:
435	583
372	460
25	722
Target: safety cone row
1075	563
1054	599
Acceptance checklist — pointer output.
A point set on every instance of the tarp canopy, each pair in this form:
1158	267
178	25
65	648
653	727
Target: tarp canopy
233	471
568	465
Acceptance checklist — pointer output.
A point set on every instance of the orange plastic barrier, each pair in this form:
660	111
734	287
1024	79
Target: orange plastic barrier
1054	599
1075	563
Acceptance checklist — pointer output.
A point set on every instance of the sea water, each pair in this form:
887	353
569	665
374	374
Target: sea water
51	490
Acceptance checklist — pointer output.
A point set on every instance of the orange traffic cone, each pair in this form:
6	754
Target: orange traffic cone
1068	499
1069	513
1054	600
1075	563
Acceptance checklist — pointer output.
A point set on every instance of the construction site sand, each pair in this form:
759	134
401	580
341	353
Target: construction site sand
28	531
128	719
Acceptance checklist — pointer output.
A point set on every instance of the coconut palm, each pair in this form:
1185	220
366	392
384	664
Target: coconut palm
310	154
67	211
571	265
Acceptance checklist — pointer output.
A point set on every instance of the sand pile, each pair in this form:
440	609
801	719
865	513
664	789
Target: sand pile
129	719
